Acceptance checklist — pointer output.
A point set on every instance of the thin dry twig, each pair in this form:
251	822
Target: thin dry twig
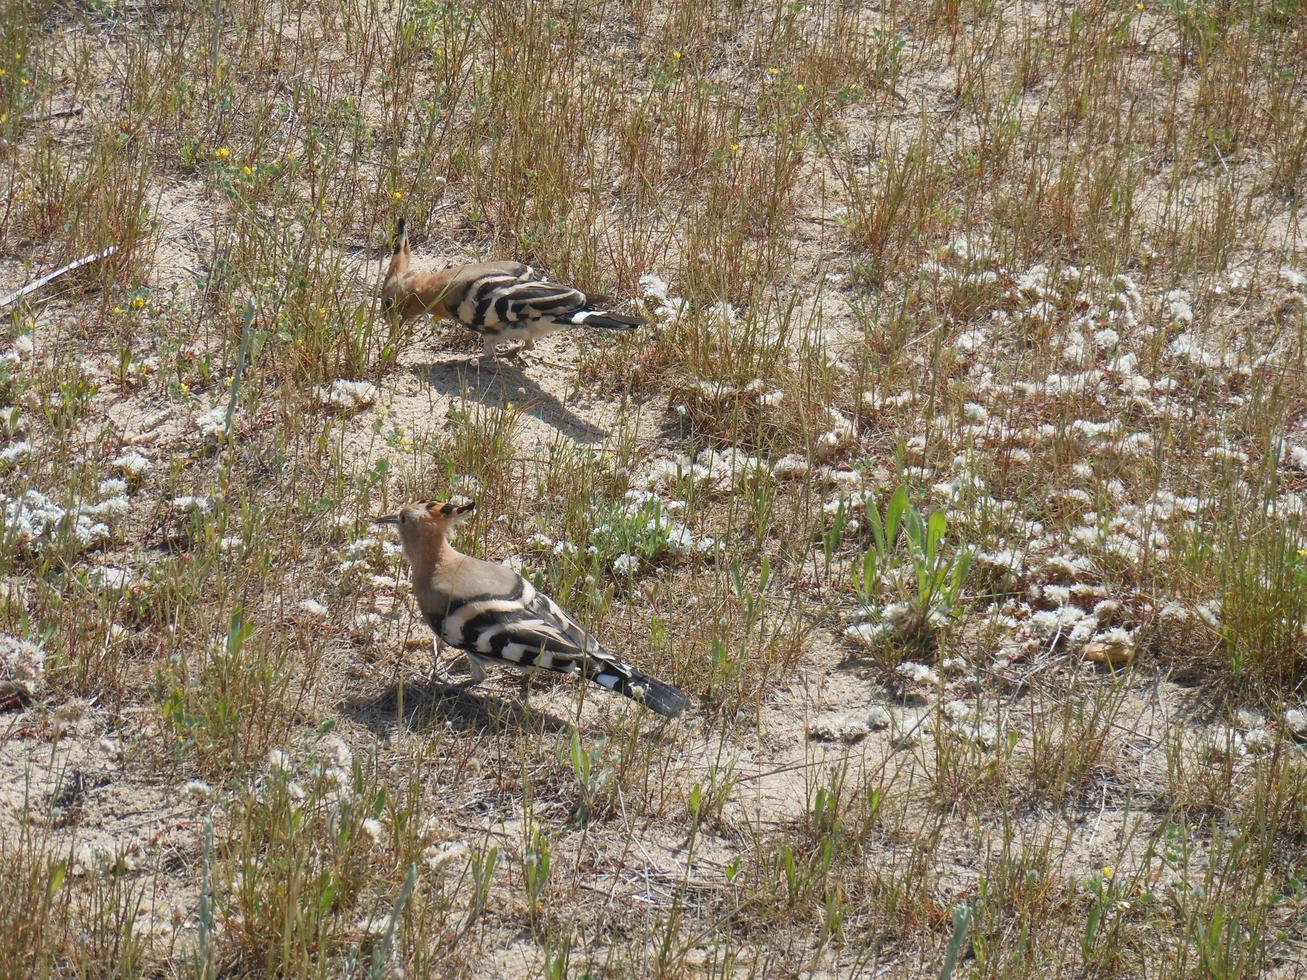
50	277
65	113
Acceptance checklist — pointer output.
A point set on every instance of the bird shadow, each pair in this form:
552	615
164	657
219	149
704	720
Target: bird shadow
432	705
504	383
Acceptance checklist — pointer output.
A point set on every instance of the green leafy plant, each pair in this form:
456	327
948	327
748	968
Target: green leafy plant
535	869
927	575
593	778
638	529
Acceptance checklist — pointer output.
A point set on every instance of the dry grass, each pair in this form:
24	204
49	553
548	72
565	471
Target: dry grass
981	357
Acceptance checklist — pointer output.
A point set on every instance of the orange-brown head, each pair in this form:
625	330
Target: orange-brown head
391	288
406	293
425	527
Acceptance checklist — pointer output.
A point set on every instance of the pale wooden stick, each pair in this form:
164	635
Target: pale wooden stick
75	110
49	277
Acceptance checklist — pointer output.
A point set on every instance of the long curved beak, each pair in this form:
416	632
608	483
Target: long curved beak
388	519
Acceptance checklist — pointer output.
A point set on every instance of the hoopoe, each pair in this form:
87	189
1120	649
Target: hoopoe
499	300
495	615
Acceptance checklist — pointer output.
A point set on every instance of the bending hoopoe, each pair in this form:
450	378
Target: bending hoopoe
499	300
495	615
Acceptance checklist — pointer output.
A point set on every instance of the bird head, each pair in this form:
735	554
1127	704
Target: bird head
427	522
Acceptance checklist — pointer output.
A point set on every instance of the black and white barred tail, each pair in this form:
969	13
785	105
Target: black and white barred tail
598	666
641	688
605	320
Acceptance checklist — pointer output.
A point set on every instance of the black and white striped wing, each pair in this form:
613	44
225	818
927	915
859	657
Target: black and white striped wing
528	630
525	629
502	299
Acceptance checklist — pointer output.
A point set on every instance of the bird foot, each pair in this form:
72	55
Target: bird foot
459	687
513	352
442	683
497	359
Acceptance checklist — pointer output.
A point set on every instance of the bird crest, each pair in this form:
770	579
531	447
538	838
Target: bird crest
446	511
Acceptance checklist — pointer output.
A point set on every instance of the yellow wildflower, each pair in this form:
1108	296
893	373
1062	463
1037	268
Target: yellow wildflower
2	73
138	302
222	153
247	170
1109	872
676	55
398	195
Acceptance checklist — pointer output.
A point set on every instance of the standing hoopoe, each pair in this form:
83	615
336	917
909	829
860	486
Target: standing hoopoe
495	615
499	300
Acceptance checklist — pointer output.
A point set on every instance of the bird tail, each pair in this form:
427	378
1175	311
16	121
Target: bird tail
641	688
606	320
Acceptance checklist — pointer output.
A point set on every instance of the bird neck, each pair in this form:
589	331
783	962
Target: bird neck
435	550
399	260
436	291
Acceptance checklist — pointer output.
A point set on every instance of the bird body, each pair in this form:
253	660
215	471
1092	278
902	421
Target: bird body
499	300
496	616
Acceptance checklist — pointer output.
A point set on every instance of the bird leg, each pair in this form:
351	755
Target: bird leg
488	347
476	674
435	660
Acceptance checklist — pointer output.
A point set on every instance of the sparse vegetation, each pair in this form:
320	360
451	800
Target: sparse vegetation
972	427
